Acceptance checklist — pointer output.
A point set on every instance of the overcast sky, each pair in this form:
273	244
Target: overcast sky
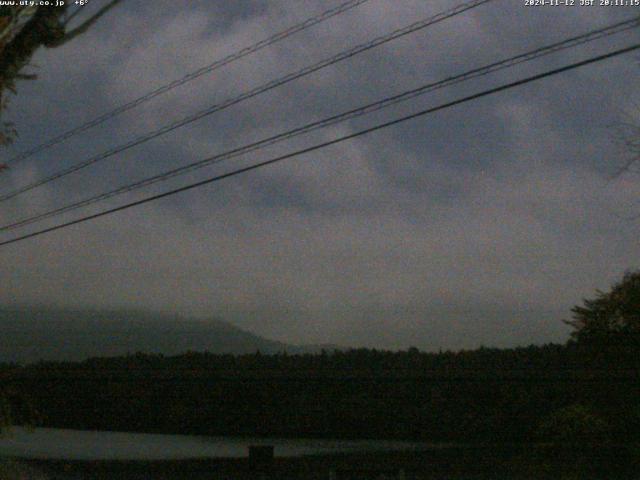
479	225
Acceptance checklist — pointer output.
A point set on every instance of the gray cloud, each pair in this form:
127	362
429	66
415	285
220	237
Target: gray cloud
482	224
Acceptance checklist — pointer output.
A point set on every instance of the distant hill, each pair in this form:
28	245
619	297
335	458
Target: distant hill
31	334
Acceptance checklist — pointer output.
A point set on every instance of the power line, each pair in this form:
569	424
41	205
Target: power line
191	76
363	110
252	93
319	146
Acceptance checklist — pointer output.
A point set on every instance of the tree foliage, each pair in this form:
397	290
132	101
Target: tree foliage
611	318
574	426
487	395
24	30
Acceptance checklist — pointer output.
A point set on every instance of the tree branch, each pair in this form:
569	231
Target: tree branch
82	28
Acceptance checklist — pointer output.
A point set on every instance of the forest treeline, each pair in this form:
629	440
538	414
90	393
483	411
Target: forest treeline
571	411
485	395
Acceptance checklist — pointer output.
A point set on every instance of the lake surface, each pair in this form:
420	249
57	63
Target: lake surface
49	443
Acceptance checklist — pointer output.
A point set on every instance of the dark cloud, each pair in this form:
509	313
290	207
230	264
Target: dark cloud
482	224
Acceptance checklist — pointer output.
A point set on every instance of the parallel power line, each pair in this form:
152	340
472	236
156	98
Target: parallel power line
308	23
337	140
353	113
252	93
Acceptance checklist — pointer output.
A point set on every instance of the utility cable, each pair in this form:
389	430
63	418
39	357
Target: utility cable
319	146
190	76
357	112
251	93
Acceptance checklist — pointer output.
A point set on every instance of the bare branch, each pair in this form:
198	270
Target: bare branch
82	28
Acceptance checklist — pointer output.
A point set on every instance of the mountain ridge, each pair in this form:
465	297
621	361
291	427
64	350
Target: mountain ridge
31	334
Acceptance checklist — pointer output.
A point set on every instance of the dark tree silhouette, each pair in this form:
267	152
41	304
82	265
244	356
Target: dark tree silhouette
23	30
612	317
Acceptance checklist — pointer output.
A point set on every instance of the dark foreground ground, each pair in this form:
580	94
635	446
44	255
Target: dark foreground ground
488	462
